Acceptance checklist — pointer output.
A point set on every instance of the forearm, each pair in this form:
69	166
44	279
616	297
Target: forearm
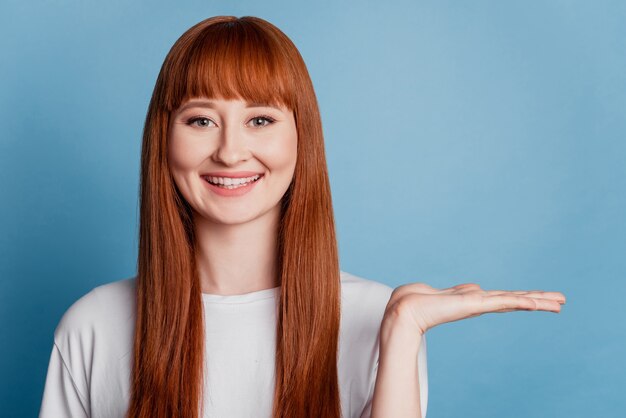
396	391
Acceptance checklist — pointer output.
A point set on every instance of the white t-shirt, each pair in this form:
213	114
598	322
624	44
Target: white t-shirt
90	365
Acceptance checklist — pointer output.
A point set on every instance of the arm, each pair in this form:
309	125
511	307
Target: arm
396	391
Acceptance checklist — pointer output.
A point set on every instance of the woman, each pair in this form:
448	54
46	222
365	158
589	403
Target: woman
238	307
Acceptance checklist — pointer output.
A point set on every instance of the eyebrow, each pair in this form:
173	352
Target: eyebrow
211	105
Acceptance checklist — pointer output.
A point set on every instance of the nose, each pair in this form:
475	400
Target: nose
232	147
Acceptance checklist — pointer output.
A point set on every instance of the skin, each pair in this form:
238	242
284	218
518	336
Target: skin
227	135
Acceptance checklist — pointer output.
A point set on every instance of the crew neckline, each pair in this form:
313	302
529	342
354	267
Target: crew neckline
243	297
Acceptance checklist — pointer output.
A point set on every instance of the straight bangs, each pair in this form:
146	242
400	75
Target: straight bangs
231	60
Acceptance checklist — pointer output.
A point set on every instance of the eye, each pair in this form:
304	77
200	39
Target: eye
199	121
261	121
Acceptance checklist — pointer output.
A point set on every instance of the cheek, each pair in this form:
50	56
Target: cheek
280	155
183	159
182	155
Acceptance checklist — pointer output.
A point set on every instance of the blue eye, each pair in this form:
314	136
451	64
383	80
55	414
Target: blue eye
269	120
202	121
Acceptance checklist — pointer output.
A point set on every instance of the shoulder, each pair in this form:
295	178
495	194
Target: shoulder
101	308
363	290
92	349
363	302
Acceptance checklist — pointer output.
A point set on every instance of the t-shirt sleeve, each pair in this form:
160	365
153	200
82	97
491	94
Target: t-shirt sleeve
61	397
422	378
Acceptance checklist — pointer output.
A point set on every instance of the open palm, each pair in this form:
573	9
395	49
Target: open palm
426	307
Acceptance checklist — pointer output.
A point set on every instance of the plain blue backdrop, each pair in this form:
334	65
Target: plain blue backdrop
474	141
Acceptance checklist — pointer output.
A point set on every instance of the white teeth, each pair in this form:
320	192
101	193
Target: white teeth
231	183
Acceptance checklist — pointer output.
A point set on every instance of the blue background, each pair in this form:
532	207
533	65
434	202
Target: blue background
467	142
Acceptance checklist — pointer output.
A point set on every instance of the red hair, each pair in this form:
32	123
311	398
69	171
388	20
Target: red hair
251	59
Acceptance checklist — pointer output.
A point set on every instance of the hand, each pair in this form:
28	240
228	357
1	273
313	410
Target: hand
422	306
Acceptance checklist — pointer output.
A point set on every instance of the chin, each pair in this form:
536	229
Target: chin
231	218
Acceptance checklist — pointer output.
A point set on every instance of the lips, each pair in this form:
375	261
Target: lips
228	187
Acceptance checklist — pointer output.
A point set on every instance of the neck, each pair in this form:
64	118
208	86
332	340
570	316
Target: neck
237	259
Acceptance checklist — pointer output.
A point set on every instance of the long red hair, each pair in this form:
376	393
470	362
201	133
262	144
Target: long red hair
251	59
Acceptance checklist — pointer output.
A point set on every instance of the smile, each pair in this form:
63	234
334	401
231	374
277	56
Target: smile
230	182
231	186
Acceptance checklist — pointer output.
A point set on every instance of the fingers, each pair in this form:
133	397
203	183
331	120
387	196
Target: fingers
507	303
473	287
556	296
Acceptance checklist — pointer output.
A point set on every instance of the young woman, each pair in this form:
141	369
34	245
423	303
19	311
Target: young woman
238	307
